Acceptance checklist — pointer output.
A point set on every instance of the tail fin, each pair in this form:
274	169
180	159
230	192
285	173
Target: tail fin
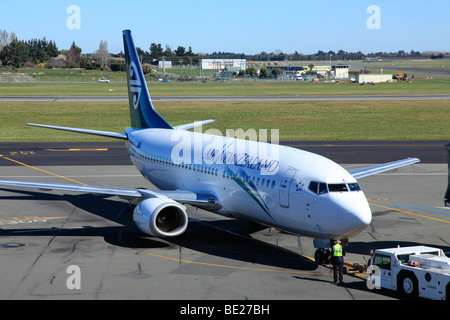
142	113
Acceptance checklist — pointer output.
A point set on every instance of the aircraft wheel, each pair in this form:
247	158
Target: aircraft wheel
318	256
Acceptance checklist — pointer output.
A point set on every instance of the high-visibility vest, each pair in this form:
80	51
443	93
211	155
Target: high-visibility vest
337	250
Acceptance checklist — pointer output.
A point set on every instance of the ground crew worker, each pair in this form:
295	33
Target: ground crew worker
337	259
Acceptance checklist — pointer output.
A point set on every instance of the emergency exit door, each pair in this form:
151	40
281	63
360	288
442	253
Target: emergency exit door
285	187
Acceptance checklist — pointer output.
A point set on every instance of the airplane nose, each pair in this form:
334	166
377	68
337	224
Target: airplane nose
356	218
363	217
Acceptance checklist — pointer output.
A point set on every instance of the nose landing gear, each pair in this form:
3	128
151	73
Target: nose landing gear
322	256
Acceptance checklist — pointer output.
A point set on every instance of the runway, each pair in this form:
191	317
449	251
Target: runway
43	233
299	98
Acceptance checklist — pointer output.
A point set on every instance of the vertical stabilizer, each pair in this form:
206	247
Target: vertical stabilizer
142	113
447	193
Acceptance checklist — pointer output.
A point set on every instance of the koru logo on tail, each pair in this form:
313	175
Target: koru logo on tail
135	84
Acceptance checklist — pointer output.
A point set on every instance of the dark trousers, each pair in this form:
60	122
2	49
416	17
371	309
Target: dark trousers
338	267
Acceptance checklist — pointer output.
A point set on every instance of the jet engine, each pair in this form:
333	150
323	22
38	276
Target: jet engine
161	218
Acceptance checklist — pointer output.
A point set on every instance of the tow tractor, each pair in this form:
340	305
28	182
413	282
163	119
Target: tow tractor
415	271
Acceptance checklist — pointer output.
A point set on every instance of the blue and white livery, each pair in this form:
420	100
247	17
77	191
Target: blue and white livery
293	190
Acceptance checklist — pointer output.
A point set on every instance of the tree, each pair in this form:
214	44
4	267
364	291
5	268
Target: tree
168	52
101	54
310	71
15	54
251	71
118	67
180	51
156	51
263	73
144	56
277	71
41	50
74	58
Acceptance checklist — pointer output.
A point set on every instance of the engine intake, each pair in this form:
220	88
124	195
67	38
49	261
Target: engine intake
161	218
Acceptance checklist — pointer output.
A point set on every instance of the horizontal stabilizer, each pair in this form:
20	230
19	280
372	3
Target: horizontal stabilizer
85	131
193	125
368	171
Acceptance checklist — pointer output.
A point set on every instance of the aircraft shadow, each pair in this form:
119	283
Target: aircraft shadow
365	247
208	237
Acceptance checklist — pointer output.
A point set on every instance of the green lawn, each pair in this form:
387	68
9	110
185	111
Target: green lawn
364	120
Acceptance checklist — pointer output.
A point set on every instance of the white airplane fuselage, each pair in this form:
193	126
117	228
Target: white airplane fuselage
265	183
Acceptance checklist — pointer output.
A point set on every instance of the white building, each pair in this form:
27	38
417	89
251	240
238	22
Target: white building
340	71
375	78
220	64
165	64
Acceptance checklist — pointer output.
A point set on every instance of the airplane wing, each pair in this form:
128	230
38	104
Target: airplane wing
203	199
368	171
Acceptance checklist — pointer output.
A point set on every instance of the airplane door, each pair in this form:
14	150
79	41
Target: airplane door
285	187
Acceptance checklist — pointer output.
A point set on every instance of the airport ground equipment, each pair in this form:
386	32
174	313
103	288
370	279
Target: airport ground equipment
401	76
415	271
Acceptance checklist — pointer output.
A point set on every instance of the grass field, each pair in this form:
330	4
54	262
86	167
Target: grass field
239	88
365	120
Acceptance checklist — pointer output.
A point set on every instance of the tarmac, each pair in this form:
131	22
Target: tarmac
56	245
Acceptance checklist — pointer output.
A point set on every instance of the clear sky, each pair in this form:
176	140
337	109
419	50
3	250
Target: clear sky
237	26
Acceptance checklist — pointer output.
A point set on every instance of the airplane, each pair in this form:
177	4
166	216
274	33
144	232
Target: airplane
289	189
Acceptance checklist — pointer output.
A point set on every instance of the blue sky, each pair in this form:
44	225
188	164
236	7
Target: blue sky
237	26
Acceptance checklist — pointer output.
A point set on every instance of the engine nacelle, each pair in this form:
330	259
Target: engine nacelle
161	218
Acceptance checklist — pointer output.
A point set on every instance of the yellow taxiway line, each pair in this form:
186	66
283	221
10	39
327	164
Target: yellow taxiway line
42	170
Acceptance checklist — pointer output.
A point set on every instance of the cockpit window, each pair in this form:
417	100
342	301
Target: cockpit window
313	186
318	187
354	187
337	187
322	188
